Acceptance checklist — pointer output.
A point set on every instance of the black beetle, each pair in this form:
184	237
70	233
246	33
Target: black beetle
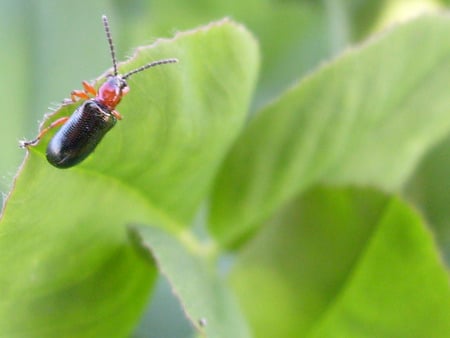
84	129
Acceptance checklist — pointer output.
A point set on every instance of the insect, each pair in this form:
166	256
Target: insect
84	129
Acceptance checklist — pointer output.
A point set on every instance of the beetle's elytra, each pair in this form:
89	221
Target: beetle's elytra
79	136
84	129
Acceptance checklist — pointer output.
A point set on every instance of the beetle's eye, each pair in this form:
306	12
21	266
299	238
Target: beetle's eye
123	85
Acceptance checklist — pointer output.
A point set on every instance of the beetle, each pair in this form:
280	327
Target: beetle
84	129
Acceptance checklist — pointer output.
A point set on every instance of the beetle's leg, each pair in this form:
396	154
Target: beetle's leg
88	88
44	131
78	94
116	114
83	94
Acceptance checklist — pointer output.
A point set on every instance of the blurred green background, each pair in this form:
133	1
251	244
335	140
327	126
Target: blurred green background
46	54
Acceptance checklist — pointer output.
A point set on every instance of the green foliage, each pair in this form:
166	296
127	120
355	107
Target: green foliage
329	129
266	228
344	263
154	167
204	297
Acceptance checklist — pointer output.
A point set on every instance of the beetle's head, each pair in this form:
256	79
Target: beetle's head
112	90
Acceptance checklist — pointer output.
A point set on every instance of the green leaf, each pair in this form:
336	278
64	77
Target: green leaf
365	118
207	301
66	264
400	277
67	268
179	119
344	263
293	35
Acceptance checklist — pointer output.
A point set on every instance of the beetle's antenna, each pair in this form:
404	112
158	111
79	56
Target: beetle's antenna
149	65
111	46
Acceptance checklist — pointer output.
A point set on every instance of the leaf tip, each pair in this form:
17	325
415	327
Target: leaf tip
137	241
